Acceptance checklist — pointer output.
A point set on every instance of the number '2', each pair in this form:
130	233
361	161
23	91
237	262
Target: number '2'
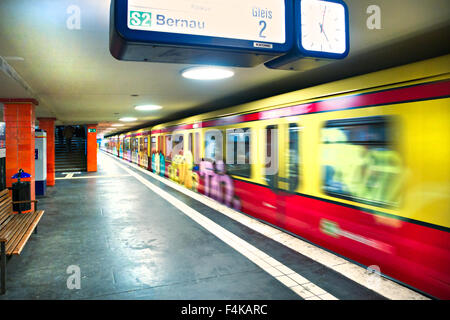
264	26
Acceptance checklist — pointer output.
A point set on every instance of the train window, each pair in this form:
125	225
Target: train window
359	162
213	145
197	144
178	144
145	146
168	153
153	144
190	142
238	152
160	143
293	168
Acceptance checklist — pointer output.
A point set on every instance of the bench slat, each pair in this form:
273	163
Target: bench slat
4	193
24	221
5	212
3	225
37	217
4	200
14	226
5	207
9	229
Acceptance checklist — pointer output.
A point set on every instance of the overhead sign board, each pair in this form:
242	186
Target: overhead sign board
231	32
257	20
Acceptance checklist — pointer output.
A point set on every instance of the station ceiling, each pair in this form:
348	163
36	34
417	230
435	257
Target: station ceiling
76	80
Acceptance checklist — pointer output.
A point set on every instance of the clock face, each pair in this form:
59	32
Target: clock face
324	26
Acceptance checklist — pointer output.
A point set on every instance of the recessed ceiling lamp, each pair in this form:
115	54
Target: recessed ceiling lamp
14	58
207	73
117	125
128	119
148	107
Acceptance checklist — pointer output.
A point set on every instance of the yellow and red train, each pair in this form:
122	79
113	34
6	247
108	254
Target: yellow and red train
362	166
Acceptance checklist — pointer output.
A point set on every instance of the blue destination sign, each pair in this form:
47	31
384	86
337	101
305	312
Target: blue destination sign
232	32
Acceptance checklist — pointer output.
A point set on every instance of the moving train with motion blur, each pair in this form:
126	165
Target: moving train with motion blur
359	166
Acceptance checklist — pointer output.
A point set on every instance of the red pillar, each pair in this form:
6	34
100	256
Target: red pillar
92	148
20	123
48	124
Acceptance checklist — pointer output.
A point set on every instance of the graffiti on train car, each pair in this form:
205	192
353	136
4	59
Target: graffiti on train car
371	173
209	178
158	164
218	185
181	171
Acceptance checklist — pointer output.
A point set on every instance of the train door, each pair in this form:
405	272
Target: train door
132	149
282	169
167	160
121	144
144	152
136	150
153	152
141	151
126	149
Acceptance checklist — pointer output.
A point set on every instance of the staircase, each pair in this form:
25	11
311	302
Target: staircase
74	161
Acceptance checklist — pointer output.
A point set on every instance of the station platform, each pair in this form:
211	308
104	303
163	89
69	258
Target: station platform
135	236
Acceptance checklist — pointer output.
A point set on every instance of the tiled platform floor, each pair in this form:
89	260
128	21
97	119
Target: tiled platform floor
130	243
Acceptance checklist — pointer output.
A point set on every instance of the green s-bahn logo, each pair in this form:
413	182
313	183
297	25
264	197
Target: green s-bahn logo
330	228
140	19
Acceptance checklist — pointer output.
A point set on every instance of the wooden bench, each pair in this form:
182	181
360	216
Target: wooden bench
15	230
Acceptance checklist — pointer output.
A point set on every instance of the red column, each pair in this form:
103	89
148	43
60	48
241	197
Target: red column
20	122
92	148
48	124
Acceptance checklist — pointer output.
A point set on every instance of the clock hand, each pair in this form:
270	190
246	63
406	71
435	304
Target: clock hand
323	20
325	36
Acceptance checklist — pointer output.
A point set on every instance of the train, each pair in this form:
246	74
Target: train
359	166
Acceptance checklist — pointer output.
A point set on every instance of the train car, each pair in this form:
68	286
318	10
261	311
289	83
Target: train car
359	167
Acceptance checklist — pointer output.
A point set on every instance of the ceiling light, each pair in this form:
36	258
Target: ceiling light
14	58
117	125
148	107
128	119
207	73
